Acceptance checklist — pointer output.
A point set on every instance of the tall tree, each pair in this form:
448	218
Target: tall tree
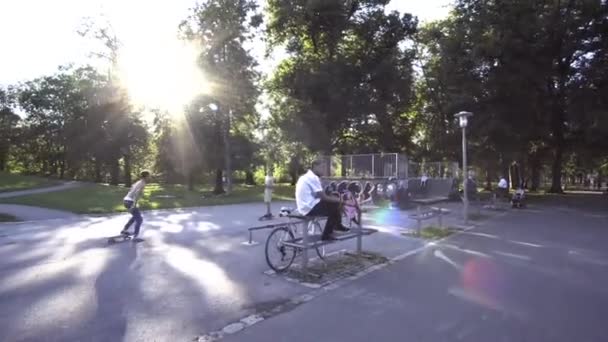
222	27
517	64
348	81
8	121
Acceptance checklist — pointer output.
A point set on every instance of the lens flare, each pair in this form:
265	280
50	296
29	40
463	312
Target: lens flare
482	280
162	74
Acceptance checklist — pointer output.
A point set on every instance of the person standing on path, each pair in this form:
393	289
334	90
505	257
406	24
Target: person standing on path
268	187
130	202
503	188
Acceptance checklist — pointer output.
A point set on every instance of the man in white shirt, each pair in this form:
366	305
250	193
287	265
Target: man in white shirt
130	202
423	181
313	201
503	187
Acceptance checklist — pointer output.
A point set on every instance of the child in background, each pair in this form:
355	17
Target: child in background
351	204
268	186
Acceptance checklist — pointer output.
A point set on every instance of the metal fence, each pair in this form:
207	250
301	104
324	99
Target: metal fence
387	165
434	169
368	166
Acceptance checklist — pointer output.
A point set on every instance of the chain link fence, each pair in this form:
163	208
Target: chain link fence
387	165
367	166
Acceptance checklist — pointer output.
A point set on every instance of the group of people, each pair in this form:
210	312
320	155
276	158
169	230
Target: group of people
311	200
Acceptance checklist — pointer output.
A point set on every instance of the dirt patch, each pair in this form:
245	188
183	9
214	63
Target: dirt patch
333	268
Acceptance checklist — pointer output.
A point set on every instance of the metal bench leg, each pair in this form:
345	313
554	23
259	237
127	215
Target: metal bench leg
419	226
305	243
359	238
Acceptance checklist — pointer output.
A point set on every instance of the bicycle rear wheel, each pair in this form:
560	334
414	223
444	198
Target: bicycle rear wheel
279	256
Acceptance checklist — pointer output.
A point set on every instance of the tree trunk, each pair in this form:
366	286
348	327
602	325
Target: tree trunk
522	173
344	166
228	153
45	167
558	127
505	170
191	180
556	170
62	169
98	178
387	139
114	172
127	169
535	165
219	184
3	158
488	180
55	166
249	180
294	178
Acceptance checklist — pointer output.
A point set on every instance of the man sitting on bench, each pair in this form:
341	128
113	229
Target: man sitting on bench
313	201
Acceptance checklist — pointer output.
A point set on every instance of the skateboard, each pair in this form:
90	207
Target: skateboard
120	238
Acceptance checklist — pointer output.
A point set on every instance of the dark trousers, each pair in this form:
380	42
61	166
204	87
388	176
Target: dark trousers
332	211
135	217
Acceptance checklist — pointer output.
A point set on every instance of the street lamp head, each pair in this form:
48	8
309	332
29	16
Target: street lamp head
213	107
463	118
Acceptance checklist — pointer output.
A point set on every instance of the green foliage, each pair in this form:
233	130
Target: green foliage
225	117
348	80
98	199
523	68
8	122
78	125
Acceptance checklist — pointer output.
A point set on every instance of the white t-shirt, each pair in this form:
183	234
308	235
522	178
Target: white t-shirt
268	183
502	183
135	191
308	184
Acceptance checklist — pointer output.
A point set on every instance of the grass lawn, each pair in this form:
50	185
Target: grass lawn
7	218
99	199
432	233
13	182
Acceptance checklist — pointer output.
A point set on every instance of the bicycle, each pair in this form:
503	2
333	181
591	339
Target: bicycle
281	244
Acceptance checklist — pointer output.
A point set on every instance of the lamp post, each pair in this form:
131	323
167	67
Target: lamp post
463	120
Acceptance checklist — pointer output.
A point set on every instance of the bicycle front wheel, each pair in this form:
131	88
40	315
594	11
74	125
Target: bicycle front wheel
279	256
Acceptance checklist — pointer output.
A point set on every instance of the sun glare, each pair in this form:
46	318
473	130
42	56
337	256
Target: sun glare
162	74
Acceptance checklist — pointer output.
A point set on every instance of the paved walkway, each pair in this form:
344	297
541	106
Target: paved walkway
536	274
64	186
28	213
192	274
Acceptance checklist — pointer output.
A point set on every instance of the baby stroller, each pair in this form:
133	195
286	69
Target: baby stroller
517	201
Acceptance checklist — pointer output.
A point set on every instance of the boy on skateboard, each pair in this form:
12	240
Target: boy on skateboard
130	202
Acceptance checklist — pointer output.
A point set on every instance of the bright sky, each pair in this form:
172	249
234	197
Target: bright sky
38	35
